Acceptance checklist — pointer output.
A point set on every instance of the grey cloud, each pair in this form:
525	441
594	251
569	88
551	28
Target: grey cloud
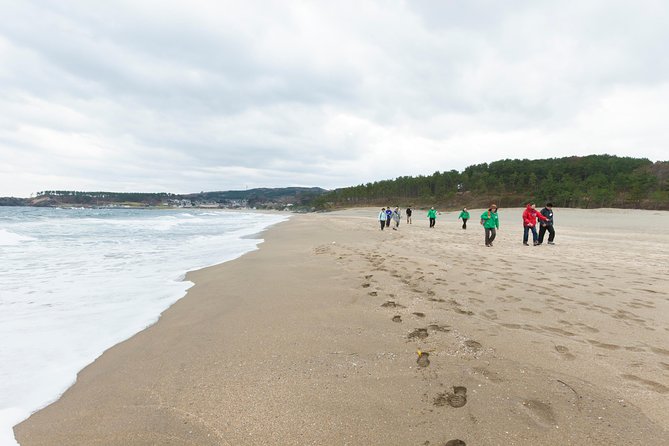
169	65
334	92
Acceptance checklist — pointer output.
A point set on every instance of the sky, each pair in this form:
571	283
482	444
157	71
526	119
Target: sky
198	95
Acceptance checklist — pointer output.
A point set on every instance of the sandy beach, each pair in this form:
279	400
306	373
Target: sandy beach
337	333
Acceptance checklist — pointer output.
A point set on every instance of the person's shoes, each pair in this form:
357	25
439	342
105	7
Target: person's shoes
526	244
536	243
551	243
487	246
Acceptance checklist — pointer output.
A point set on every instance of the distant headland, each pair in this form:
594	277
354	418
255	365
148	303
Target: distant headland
291	198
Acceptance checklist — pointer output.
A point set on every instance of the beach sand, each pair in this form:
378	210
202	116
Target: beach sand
313	340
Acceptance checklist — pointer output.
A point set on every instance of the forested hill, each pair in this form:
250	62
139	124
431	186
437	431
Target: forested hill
586	182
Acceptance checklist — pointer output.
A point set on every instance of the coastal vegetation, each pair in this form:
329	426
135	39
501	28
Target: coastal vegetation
586	182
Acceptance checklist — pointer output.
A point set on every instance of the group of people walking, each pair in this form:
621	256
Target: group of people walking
530	216
386	215
489	221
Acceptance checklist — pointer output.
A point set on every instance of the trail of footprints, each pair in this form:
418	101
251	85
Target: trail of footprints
456	398
420	285
576	331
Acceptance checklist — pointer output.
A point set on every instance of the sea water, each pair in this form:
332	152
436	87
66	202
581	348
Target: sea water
74	282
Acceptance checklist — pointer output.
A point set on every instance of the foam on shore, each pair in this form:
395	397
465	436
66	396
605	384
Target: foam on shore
76	282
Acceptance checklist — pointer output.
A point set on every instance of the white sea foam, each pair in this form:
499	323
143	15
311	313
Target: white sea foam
11	239
75	282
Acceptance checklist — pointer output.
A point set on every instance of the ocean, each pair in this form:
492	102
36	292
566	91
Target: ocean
74	282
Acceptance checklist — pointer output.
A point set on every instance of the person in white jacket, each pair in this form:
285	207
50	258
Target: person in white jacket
397	216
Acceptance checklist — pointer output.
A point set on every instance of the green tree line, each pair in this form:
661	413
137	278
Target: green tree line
586	182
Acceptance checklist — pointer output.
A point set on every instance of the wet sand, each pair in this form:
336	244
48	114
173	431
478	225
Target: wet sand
337	333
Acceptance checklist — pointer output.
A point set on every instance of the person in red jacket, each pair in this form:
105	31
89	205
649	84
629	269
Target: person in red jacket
530	215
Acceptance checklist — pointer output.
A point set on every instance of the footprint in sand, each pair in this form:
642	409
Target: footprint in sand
473	345
397	318
650	385
633	348
557	330
455	442
391	304
512	326
365	285
420	333
603	345
423	359
457	398
488	374
461	311
587	328
564	352
540	412
639	303
436	327
490	314
418	314
529	310
373	293
660	351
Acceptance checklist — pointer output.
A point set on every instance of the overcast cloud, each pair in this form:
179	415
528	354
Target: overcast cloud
183	96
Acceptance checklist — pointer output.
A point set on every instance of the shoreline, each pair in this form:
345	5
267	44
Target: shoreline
292	344
37	387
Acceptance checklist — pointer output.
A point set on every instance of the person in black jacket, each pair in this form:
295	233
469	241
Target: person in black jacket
547	225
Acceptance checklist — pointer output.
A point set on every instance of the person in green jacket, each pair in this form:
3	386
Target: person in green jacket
432	215
464	215
490	222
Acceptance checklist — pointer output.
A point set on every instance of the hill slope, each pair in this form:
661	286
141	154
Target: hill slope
590	181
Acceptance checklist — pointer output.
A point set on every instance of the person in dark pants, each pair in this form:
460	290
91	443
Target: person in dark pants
530	215
464	215
389	216
432	215
382	218
409	212
490	222
547	225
